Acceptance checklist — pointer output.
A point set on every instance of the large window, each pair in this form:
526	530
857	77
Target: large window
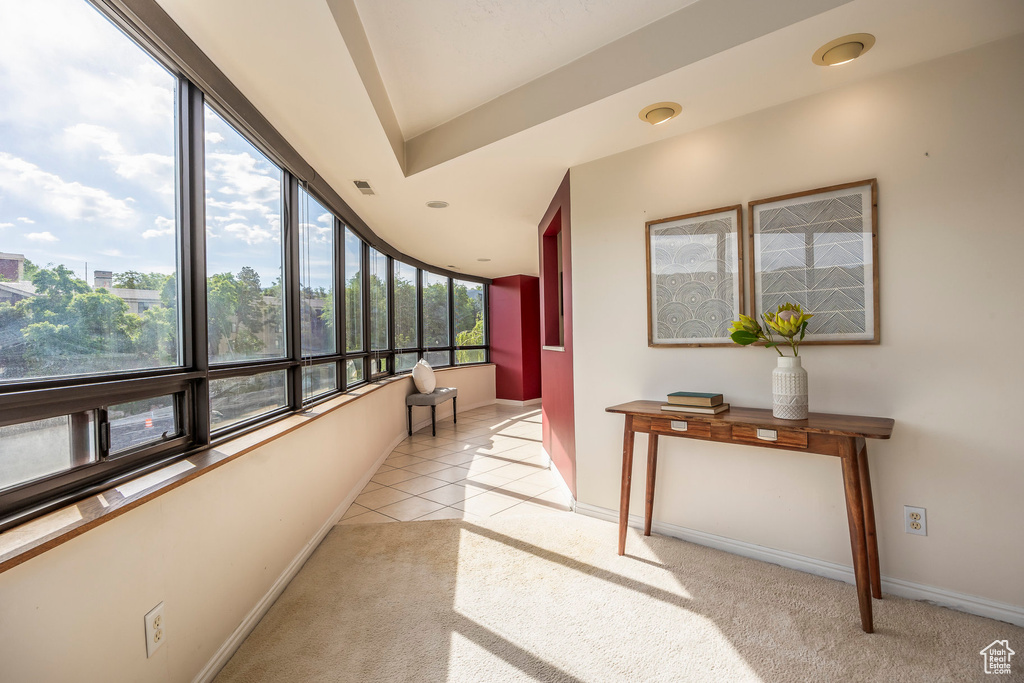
353	292
469	321
316	276
244	284
378	301
87	197
436	328
54	444
237	399
406	309
165	281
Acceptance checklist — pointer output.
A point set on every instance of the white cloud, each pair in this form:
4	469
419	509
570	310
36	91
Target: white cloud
62	51
149	168
245	175
41	237
224	218
164	227
70	200
315	234
6	225
250	234
213	137
326	219
29	221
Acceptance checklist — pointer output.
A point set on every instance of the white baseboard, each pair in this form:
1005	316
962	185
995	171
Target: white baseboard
235	640
562	486
972	604
520	404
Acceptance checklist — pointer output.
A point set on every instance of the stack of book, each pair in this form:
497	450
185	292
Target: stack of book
695	402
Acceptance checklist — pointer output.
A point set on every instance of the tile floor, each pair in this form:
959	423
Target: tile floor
488	464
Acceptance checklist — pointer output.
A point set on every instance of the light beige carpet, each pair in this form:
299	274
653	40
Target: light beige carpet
546	598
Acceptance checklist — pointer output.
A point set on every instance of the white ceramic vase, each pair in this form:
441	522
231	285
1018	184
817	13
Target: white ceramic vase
789	390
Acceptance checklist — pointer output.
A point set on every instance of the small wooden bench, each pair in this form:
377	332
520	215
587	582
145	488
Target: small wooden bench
439	395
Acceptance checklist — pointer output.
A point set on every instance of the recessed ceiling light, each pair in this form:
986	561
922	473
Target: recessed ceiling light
437	204
483	260
363	186
843	50
660	112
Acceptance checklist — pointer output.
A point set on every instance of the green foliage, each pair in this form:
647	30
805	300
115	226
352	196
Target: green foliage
378	313
472	337
68	328
405	314
131	279
238	314
353	313
102	324
435	314
469	322
467	308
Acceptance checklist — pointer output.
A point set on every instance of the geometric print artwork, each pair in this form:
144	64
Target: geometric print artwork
817	250
695	287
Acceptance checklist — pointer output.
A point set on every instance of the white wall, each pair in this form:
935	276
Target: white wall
210	549
946	141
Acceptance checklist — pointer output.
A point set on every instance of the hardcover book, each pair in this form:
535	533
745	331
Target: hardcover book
698	410
693	398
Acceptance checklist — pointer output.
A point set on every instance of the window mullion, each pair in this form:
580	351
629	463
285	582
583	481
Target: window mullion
420	327
192	286
293	291
451	321
364	294
486	313
340	302
390	289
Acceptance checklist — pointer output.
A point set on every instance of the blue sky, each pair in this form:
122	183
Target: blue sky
87	167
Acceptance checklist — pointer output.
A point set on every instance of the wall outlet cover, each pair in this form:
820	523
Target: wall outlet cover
155	629
915	520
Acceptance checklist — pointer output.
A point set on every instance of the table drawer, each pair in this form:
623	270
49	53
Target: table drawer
681	427
779	437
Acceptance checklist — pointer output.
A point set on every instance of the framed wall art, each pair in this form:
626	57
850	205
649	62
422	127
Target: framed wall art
694	278
819	249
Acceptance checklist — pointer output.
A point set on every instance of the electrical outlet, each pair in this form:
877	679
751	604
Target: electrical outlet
915	520
156	629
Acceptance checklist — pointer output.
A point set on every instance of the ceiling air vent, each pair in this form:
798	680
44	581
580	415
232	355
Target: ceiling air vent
363	186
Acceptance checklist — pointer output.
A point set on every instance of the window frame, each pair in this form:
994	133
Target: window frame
39	398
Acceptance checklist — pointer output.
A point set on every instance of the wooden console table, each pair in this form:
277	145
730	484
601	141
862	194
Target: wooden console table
840	435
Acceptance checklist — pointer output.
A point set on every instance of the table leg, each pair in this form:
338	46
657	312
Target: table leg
858	543
627	475
869	518
652	466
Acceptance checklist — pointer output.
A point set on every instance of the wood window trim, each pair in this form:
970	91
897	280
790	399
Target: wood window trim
21	543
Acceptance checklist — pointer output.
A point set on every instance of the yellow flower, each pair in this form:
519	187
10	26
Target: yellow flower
746	324
788	320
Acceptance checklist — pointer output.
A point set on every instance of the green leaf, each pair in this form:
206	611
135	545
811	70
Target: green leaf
803	330
743	337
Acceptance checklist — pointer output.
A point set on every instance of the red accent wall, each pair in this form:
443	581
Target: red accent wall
556	366
515	336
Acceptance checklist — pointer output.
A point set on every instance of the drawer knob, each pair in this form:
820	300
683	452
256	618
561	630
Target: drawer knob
679	425
767	435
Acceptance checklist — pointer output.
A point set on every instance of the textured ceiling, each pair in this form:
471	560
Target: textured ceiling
499	163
